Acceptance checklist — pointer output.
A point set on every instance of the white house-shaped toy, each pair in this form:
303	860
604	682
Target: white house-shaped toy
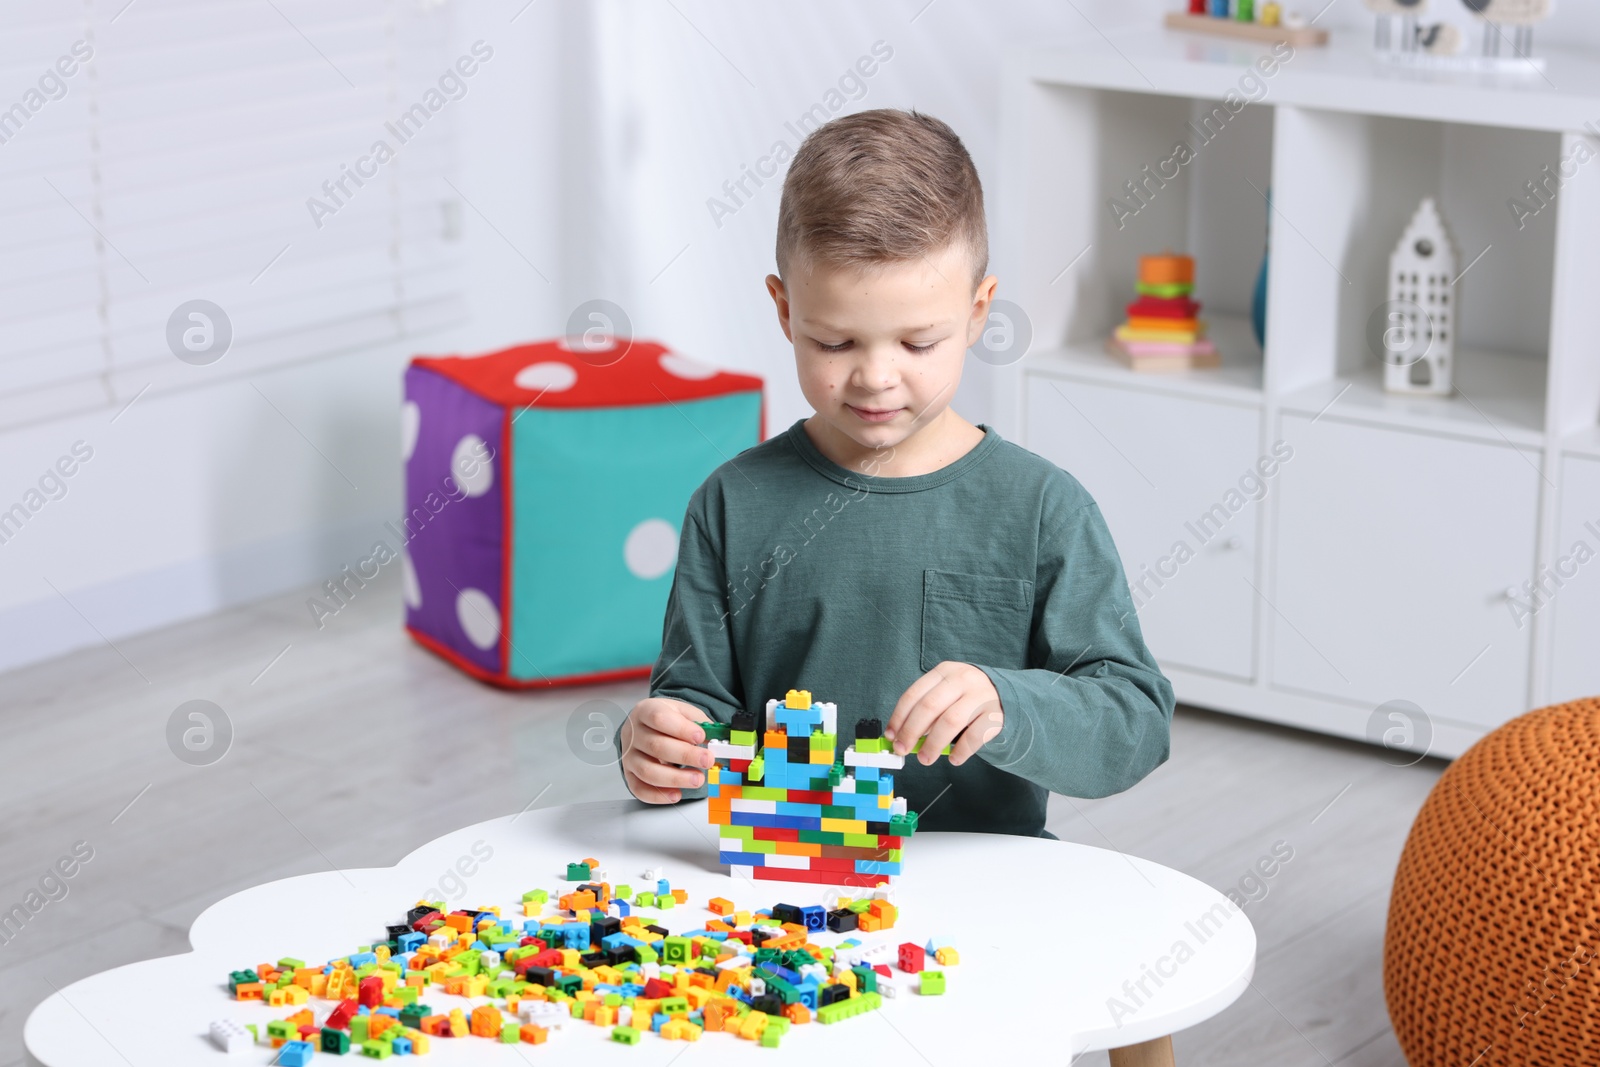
1420	333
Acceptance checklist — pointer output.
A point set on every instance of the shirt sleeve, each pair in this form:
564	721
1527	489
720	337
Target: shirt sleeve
696	664
1092	714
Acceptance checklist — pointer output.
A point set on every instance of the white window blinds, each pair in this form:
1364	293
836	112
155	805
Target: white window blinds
162	152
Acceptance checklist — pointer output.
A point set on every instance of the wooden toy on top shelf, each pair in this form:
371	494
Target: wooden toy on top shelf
1243	23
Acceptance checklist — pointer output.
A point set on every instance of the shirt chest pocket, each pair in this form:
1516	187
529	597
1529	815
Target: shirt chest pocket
975	618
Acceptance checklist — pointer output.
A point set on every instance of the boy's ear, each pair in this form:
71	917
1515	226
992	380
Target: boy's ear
780	298
981	300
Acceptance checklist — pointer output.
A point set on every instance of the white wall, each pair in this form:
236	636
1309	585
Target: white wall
588	152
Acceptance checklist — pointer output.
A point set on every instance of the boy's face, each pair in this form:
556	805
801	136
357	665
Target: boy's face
879	350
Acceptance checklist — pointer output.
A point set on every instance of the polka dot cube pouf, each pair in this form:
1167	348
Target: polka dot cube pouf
545	486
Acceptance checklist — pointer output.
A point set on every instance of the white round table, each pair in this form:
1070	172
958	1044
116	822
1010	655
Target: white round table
1064	948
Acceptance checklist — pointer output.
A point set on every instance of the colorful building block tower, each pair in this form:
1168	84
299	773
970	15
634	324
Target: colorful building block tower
1164	330
793	806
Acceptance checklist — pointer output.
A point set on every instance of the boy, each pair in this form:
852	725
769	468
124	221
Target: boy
887	554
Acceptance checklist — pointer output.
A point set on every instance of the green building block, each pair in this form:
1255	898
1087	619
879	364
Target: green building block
236	978
645	900
625	1035
757	768
932	983
358	1028
673	1006
903	825
622	892
666	901
835	775
282	1028
289	963
820	740
675	950
716	731
577	872
536	896
866	979
412	1015
848	1009
870	745
647	954
859	906
510	1034
741	737
335	1041
382	1050
770	1036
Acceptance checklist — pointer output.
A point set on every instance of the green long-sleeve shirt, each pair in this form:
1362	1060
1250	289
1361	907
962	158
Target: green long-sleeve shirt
796	573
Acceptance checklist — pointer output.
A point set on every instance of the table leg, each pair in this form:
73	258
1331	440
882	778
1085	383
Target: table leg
1157	1053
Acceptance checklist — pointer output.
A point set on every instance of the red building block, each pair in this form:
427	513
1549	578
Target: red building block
912	957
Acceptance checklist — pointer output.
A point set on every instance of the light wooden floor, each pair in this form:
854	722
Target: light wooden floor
355	746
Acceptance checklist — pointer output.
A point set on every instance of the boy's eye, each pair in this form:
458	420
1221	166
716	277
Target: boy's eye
840	347
921	348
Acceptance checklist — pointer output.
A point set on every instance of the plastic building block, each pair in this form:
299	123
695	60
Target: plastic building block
847	1009
912	958
578	872
230	1036
625	1035
931	983
295	1054
947	956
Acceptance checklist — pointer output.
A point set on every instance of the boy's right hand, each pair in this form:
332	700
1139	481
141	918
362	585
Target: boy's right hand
660	748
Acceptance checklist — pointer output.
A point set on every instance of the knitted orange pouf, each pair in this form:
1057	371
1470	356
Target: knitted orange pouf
1492	955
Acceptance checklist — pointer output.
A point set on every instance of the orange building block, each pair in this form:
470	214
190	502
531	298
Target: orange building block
534	1035
797	1013
486	1021
719	906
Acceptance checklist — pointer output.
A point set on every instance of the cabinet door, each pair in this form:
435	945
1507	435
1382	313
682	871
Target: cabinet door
1396	555
1575	666
1176	480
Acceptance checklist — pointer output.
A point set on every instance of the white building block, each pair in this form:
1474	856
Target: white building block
728	750
753	807
230	1036
830	717
884	761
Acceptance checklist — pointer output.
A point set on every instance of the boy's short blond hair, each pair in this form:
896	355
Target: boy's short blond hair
877	187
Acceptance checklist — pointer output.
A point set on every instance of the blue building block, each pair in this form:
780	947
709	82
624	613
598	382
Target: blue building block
867	774
409	942
814	916
295	1054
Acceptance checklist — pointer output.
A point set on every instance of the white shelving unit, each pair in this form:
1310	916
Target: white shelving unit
1305	547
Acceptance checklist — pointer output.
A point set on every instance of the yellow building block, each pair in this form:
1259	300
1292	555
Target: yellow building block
822	755
797	698
947	956
751	1026
680	1030
844	826
741	918
419	1041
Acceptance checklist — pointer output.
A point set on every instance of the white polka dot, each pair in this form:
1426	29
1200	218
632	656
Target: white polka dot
684	367
547	376
410	424
472	466
479	618
408	581
591	341
651	548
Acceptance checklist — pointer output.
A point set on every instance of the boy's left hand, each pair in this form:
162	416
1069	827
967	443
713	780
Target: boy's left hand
940	706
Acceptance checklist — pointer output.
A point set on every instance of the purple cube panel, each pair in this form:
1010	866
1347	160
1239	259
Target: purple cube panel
453	562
